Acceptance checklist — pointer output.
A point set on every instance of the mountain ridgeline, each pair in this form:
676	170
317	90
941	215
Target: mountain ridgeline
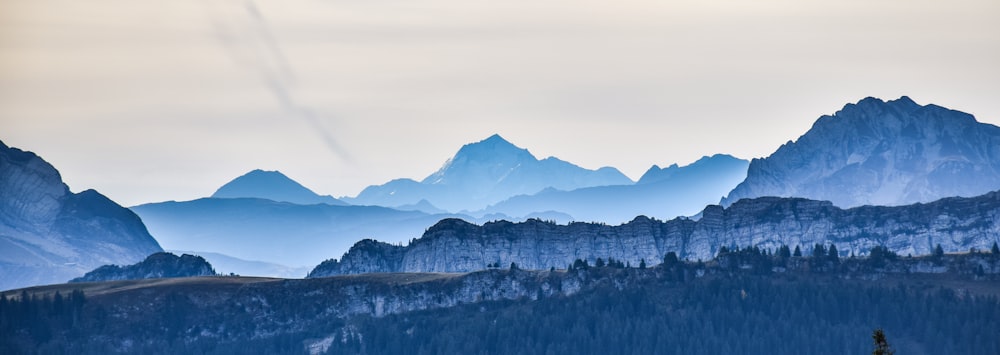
158	265
276	232
453	245
485	173
49	234
881	153
660	192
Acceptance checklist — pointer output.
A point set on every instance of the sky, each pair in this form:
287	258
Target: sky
150	101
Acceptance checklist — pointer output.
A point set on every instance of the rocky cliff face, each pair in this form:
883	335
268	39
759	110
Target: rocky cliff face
50	235
453	245
881	153
158	265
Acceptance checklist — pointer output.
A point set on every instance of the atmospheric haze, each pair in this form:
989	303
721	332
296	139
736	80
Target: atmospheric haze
151	100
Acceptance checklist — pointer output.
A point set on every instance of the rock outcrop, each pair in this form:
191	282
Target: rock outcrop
453	245
49	234
158	265
881	153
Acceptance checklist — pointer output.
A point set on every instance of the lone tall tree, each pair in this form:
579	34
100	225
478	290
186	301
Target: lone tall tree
881	345
938	251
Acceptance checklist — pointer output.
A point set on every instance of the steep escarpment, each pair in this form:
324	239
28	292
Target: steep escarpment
453	245
49	234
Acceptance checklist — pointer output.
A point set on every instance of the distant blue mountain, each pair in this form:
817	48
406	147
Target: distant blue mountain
422	206
661	192
272	185
485	173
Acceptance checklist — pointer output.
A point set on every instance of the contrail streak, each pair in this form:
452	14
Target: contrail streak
248	39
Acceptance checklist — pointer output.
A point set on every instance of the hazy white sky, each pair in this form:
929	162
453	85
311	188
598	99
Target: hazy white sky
167	100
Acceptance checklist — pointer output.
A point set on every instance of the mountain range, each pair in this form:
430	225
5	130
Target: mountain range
266	216
49	234
957	224
494	179
879	152
871	152
660	192
484	173
281	233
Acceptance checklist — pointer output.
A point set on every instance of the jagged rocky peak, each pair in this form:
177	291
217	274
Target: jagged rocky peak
271	185
484	173
49	234
157	265
489	160
879	152
30	188
492	158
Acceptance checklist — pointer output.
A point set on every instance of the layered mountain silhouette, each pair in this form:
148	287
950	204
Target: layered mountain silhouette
485	173
278	236
661	192
272	185
49	234
276	232
881	153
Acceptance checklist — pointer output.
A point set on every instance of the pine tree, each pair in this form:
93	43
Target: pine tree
784	252
797	252
819	251
995	250
881	345
833	253
670	259
938	251
642	263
